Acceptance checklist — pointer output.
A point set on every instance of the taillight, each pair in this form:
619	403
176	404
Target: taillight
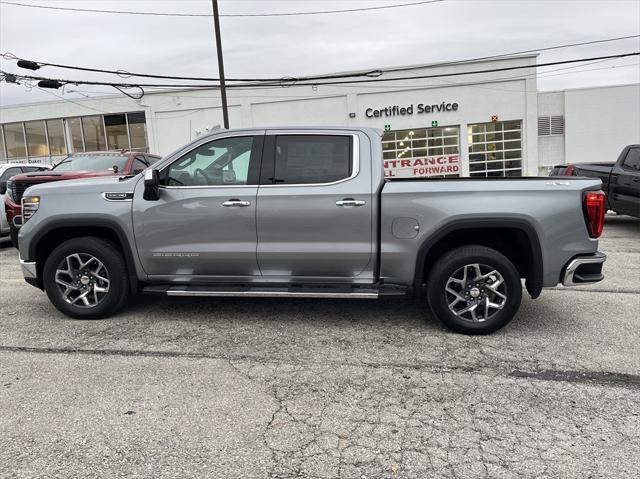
594	210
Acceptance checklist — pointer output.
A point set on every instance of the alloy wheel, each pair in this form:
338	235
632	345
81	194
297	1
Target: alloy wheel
476	292
82	279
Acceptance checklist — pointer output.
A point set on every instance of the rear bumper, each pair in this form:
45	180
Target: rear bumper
584	269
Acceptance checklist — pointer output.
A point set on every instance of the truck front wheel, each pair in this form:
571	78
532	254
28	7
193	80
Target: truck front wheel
86	278
474	290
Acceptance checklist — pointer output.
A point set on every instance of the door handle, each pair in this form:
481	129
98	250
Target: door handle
350	202
233	202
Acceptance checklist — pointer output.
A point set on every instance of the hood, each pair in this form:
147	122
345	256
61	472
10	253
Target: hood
96	184
53	175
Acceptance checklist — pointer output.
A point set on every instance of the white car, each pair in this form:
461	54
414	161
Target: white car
7	170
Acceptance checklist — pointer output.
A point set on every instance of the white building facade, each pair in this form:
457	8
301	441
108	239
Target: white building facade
491	123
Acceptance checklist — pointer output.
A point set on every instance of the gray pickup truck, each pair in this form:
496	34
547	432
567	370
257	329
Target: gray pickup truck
307	212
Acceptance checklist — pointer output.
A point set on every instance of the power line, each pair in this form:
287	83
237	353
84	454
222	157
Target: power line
521	52
174	14
341	82
190	112
474	72
289	80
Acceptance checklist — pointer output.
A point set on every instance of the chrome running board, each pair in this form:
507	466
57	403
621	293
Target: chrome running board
274	294
264	292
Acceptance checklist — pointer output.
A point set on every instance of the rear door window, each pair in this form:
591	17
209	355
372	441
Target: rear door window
312	159
632	161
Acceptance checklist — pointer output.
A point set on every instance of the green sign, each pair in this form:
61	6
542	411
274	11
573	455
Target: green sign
434	123
387	127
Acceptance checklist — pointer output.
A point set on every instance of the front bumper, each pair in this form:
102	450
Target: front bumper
29	269
30	272
584	269
12	209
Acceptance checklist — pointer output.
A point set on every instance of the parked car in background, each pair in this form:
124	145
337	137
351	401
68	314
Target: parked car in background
7	170
308	213
73	167
620	179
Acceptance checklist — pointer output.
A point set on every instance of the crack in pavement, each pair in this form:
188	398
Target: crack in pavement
600	378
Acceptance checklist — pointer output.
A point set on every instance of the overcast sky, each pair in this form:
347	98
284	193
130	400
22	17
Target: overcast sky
296	45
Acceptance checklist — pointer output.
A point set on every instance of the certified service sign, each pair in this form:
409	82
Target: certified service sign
422	167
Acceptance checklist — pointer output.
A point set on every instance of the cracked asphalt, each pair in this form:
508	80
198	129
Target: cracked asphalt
324	388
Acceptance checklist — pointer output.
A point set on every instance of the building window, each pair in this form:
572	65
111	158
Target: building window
3	155
56	136
550	125
74	135
137	131
422	152
36	138
117	136
14	139
93	129
495	149
55	133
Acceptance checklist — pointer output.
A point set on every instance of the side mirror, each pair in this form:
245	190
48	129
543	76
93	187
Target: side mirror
3	187
151	185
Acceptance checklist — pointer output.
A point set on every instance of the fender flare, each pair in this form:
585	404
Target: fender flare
534	281
111	225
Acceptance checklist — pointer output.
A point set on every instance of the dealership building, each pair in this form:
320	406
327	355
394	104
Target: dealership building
491	123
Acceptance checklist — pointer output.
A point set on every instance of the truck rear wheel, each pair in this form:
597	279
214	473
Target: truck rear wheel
86	278
474	290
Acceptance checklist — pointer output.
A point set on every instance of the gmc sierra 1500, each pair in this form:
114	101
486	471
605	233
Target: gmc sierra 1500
307	212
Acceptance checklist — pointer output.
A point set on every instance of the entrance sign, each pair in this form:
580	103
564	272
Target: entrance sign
422	167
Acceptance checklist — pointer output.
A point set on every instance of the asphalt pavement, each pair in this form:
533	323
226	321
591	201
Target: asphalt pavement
255	388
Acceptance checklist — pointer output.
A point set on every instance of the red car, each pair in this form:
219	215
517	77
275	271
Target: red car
73	167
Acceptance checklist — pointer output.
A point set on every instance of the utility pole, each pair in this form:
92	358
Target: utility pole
223	89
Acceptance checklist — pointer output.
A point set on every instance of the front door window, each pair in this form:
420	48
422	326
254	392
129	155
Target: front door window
223	162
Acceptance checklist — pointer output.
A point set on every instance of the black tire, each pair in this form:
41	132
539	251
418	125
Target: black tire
111	258
13	233
443	274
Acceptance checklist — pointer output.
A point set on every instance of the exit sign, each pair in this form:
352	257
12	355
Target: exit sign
387	127
434	123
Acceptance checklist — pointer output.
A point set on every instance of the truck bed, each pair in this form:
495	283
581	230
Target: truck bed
546	209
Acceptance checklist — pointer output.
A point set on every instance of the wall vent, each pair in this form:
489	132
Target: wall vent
550	125
557	125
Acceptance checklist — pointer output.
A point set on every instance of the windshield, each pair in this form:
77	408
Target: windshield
92	163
